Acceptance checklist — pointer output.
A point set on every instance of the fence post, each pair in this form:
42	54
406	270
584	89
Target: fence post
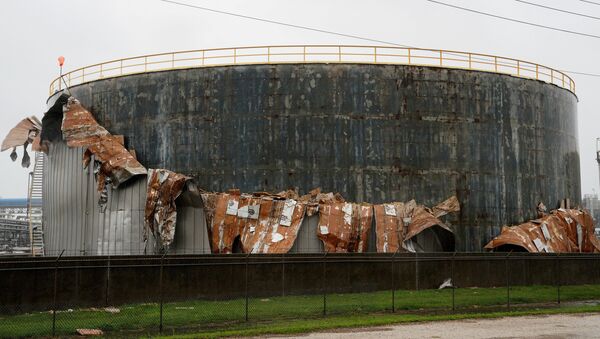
161	293
452	281
107	282
283	275
394	281
416	271
558	279
324	283
507	273
55	291
246	287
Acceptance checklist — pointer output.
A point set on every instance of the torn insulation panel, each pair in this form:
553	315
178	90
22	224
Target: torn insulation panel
80	129
26	132
265	223
561	231
408	227
160	216
344	227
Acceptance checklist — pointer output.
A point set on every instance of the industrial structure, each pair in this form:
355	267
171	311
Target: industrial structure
15	228
378	125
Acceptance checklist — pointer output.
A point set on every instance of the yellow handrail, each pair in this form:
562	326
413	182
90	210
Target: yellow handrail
314	54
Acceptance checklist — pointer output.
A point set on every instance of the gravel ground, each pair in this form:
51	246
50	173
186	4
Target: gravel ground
585	325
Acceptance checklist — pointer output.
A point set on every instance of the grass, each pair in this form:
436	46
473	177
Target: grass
279	314
365	320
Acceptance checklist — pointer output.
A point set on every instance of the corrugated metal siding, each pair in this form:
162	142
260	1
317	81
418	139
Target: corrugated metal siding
307	241
74	222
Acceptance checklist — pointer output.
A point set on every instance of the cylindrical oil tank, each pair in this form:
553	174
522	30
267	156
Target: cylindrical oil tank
372	132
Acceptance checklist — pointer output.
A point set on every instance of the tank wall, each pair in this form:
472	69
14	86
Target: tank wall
375	133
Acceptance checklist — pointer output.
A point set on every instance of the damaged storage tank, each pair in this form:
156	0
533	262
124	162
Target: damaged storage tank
380	126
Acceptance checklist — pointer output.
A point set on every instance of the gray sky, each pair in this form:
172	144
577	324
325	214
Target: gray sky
33	33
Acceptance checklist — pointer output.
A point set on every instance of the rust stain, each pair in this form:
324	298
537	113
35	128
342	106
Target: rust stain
344	227
160	215
26	132
562	230
398	224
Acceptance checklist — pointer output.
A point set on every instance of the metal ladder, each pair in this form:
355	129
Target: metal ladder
34	205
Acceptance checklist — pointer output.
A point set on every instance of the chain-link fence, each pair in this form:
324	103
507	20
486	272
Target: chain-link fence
127	295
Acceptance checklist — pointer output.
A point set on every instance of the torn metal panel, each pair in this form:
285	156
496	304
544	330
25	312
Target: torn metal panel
24	133
265	223
414	228
276	228
160	215
80	129
563	230
221	222
344	227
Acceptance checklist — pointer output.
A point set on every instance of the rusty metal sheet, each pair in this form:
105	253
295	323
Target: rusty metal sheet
276	228
398	224
222	226
563	230
160	216
265	223
344	227
80	129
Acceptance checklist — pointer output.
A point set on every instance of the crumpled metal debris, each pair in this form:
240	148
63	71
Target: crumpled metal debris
414	228
26	132
222	226
80	129
315	197
563	230
344	227
264	223
160	215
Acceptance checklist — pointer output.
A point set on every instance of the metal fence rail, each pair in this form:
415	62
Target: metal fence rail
314	54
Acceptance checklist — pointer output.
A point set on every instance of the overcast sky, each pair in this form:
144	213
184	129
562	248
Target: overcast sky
33	33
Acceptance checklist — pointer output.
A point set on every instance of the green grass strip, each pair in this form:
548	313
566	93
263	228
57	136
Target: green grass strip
211	316
366	320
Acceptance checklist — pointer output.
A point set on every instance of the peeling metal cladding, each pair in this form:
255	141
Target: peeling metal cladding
374	133
74	222
563	230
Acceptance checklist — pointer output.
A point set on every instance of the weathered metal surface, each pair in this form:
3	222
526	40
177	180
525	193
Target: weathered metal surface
345	227
563	230
80	129
160	216
398	224
374	133
26	132
263	222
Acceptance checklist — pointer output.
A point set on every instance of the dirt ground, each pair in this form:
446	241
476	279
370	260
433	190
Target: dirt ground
585	325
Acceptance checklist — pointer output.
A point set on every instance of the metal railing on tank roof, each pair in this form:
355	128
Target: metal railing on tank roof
314	54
